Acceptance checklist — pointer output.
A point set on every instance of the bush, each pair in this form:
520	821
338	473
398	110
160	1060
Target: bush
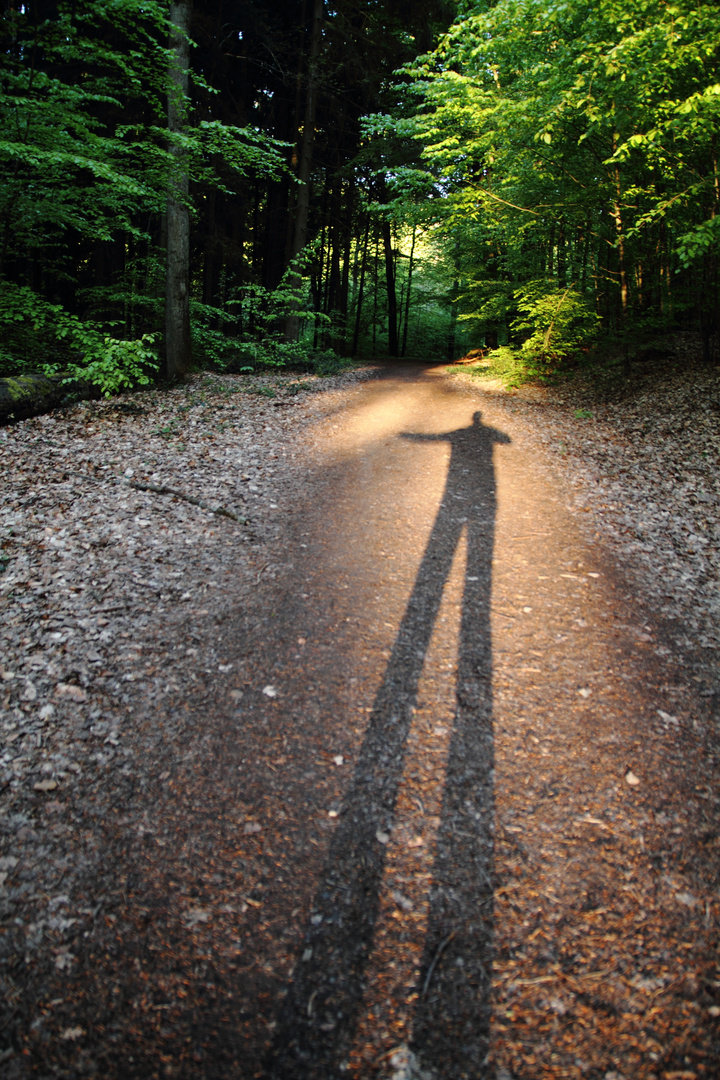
557	322
43	336
506	364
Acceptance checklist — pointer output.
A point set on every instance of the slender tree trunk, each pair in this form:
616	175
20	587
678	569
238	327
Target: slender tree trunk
551	251
212	254
356	333
334	280
453	321
622	274
305	156
346	261
561	258
393	347
709	298
401	309
178	353
620	240
407	298
375	293
585	256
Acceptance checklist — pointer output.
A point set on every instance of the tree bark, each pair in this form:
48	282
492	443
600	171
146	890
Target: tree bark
375	293
305	156
393	347
178	352
453	321
358	310
407	298
22	396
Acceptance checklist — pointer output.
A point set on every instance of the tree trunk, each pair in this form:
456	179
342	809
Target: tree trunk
616	215
335	243
453	321
358	312
375	293
305	157
22	396
393	348
178	353
346	260
407	298
561	258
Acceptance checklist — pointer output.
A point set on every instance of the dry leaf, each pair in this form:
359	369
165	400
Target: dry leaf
73	1033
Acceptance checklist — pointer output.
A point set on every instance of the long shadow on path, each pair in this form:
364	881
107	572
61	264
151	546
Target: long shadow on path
319	1019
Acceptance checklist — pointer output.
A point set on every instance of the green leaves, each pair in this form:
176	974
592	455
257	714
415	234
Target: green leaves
574	143
86	163
699	242
87	352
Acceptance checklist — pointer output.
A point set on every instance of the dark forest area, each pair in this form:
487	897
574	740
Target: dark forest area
294	183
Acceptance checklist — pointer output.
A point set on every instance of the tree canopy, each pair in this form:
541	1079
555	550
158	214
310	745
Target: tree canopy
362	178
575	147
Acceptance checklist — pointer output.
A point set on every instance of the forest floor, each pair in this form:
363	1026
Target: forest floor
348	732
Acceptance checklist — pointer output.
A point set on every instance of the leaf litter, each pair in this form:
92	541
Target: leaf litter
123	526
106	590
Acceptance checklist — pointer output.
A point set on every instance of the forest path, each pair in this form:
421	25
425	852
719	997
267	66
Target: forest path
450	816
513	692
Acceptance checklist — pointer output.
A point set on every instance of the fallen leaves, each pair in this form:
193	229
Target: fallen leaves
104	576
647	472
69	690
72	1034
197	916
45	785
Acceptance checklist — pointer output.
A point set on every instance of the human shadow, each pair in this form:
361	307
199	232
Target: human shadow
319	1017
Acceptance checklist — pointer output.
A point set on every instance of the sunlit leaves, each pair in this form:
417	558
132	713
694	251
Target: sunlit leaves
565	134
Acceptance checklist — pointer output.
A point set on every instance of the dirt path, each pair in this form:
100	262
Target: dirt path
450	812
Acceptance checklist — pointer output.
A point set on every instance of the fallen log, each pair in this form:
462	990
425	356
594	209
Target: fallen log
475	356
22	396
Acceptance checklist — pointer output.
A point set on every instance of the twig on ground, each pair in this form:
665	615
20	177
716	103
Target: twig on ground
441	949
162	489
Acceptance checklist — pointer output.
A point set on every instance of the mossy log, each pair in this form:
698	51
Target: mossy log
30	395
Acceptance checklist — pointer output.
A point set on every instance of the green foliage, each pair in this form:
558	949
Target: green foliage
63	344
555	324
111	364
62	166
86	161
242	151
699	242
328	363
506	364
571	143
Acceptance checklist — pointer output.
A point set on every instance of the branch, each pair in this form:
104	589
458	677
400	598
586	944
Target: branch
506	203
163	490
